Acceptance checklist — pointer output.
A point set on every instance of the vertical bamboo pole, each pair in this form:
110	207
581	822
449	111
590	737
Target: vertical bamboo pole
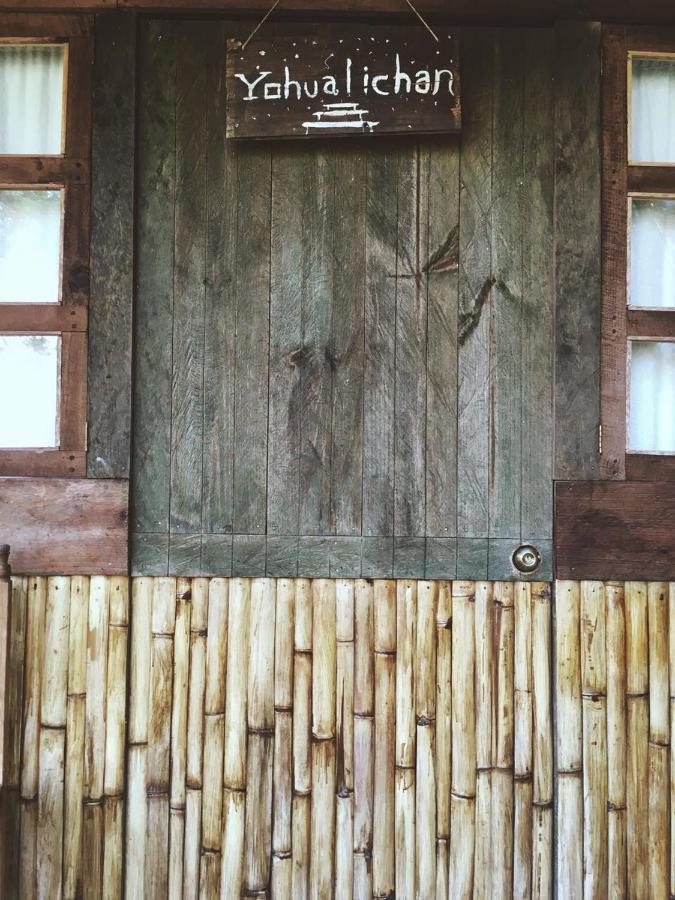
463	796
53	705
282	840
502	773
671	651
324	649
594	691
302	729
616	741
344	737
195	737
385	738
443	733
5	627
15	695
522	747
425	761
234	767
179	715
659	739
116	693
406	602
214	729
258	842
637	727
139	690
484	688
364	681
159	737
569	857
75	727
35	627
542	785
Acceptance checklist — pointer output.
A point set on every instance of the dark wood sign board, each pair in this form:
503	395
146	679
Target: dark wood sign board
381	81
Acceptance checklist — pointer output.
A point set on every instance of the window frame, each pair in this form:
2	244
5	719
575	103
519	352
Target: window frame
70	172
622	180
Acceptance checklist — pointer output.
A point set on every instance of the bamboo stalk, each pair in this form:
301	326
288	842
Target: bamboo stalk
234	826
302	728
55	663
542	786
364	679
425	757
50	811
93	831
37	600
443	733
29	850
210	875
671	648
637	727
157	842
113	852
463	785
594	689
116	680
502	774
569	858
522	743
404	803
136	820
484	613
179	715
219	638
301	846
258	843
659	739
324	648
344	736
195	736
191	861
97	660
384	878
616	739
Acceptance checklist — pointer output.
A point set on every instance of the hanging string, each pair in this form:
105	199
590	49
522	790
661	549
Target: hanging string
277	2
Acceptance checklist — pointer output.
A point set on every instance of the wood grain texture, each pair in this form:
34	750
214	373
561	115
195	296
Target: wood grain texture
577	264
614	529
73	526
112	251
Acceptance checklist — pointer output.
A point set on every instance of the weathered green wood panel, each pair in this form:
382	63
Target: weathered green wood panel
112	247
155	240
577	250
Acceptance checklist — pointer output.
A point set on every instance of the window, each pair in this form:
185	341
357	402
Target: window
638	329
44	242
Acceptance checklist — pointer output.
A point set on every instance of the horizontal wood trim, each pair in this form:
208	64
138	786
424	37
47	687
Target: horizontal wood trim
651	179
608	530
65	526
42	462
649	323
41	318
657	40
650	467
28	171
24	24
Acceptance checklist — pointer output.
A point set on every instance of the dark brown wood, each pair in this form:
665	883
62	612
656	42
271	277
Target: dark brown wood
614	255
73	391
17	171
42	462
615	530
657	40
650	467
21	24
650	323
44	317
343	81
65	526
651	179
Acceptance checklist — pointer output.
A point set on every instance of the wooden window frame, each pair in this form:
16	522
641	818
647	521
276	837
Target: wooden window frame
69	172
622	180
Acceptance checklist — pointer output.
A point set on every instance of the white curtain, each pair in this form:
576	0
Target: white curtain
652	253
30	364
652	397
30	246
31	99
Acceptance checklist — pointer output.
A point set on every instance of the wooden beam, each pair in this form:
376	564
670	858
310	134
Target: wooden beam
65	526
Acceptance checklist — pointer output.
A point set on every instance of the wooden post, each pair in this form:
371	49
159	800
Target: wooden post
5	603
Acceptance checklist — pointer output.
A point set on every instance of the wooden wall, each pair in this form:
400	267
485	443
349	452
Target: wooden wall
345	351
289	738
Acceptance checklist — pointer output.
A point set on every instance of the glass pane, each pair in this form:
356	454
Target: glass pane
30	246
653	110
652	253
651	426
31	99
29	370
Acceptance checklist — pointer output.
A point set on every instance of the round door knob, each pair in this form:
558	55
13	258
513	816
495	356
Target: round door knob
527	558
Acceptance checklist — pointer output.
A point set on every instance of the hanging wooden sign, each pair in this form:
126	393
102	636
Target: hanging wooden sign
379	81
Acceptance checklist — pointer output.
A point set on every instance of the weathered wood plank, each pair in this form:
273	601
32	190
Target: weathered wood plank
577	250
475	284
187	389
155	282
112	250
380	317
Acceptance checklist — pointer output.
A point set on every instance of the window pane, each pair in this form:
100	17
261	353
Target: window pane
31	99
652	253
30	246
652	397
29	370
653	110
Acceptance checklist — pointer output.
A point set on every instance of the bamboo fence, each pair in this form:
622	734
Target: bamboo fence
348	739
